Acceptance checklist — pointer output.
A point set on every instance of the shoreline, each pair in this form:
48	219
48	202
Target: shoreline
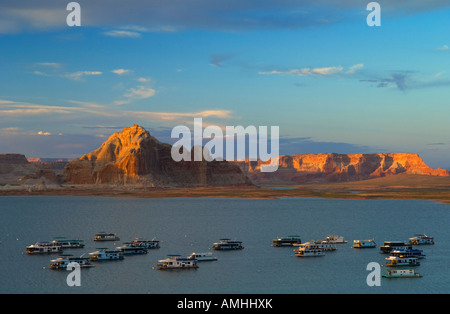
439	194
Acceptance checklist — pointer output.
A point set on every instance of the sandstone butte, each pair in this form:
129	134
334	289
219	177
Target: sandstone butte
331	167
133	156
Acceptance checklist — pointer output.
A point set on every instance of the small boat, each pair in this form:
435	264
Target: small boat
421	239
309	252
202	257
64	260
317	245
128	249
44	248
148	244
395	261
68	244
408	253
103	236
401	273
177	262
287	241
103	254
334	239
226	244
361	244
394	245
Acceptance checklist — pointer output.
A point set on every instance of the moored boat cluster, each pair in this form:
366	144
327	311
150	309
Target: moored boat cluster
401	253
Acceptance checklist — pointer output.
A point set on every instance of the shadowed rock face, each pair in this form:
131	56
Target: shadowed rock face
133	156
338	167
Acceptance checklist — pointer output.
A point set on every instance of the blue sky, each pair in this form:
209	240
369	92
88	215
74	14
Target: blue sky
313	68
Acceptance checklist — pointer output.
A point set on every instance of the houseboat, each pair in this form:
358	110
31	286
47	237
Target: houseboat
421	239
128	249
408	253
103	236
401	273
362	244
68	244
43	248
177	262
334	239
64	260
394	245
317	245
309	252
395	261
287	241
103	254
202	257
148	244
226	244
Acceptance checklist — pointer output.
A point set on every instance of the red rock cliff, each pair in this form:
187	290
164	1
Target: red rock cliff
339	167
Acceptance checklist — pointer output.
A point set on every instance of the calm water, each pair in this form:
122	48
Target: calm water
191	225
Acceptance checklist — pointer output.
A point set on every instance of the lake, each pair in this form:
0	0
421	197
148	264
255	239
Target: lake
186	225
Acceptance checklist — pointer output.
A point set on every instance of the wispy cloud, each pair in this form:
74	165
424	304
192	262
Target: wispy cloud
123	34
121	71
80	74
133	94
443	48
408	80
324	71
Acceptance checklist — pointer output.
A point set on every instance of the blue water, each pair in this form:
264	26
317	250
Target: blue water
186	225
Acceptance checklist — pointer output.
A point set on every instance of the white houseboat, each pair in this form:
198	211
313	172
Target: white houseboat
395	261
421	239
226	244
289	240
362	244
177	262
68	244
103	254
317	245
43	248
128	249
309	252
408	253
64	260
202	257
401	273
334	239
103	236
148	244
394	245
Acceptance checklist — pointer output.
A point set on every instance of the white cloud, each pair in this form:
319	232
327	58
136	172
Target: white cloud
143	79
49	64
78	75
121	71
444	48
324	71
141	92
123	34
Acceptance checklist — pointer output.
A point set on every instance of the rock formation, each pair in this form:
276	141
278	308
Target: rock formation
338	167
133	156
16	170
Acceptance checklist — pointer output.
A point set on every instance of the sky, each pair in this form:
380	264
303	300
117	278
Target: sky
316	69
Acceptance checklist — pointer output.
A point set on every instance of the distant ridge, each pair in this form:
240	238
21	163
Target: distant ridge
330	167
